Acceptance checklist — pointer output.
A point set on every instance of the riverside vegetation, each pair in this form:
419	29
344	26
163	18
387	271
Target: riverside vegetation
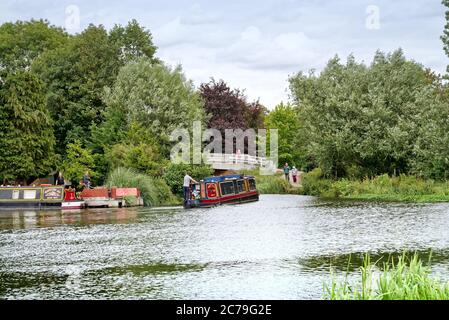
404	278
101	100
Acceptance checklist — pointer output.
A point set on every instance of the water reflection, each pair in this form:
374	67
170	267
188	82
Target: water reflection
19	219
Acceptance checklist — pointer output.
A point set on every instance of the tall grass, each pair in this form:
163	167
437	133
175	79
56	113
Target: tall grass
383	187
154	191
407	278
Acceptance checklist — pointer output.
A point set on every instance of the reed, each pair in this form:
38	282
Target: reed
154	191
405	278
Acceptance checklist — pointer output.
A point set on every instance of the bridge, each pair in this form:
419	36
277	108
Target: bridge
224	161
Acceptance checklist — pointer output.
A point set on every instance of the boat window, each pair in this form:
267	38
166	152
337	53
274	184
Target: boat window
227	188
240	186
252	184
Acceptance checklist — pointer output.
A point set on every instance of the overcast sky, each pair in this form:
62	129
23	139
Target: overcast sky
255	44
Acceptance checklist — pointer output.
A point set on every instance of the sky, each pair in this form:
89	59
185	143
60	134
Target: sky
256	45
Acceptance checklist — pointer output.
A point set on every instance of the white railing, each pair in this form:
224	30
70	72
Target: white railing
236	159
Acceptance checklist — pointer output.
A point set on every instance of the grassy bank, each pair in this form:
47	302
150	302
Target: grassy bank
155	192
405	278
380	188
272	184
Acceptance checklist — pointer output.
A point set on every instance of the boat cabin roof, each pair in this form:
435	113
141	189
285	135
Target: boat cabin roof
226	177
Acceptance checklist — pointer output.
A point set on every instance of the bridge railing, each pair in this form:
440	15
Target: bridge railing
232	159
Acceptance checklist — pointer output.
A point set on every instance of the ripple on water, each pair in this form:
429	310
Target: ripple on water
278	248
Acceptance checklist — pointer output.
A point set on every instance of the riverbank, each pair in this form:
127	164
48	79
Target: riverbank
273	184
401	188
383	188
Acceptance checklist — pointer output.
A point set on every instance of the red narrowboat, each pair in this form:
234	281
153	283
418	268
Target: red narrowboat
218	190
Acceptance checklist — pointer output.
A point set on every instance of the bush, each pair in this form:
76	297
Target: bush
174	175
154	191
383	187
313	183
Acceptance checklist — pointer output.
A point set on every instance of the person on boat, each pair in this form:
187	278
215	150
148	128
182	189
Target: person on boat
294	174
287	172
186	186
86	180
60	180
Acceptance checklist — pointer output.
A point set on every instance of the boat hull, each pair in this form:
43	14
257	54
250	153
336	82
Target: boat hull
237	199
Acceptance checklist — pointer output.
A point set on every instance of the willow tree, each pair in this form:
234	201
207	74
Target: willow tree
26	134
363	120
153	98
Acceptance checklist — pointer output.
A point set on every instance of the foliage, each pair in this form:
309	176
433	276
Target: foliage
136	150
77	73
229	109
132	42
404	279
153	191
23	41
381	188
26	135
365	120
445	36
174	175
155	97
284	118
77	162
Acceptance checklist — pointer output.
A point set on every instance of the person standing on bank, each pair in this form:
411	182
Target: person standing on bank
60	180
294	174
287	172
187	180
86	180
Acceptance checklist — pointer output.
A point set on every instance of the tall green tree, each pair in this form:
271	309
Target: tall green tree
362	120
26	134
284	118
77	73
78	161
153	96
23	41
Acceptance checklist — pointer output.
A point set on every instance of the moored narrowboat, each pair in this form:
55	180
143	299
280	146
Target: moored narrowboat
228	189
45	196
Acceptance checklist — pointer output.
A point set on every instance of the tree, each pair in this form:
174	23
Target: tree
77	73
445	36
360	120
229	109
26	135
226	107
137	150
132	42
77	162
152	95
285	119
23	41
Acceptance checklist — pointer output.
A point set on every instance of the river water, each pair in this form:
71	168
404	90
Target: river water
281	247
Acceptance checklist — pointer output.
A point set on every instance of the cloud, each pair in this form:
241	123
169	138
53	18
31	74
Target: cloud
257	44
255	50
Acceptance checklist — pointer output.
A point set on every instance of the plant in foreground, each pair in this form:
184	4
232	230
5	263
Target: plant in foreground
404	278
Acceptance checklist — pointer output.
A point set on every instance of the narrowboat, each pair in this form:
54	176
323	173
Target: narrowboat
59	197
217	190
44	196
